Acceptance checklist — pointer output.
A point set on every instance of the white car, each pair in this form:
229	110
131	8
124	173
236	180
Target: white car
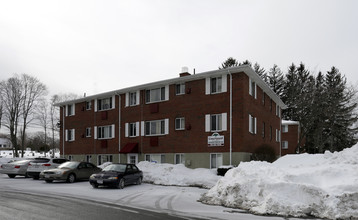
35	167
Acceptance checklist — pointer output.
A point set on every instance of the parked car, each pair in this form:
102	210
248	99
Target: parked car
70	171
117	175
35	167
16	168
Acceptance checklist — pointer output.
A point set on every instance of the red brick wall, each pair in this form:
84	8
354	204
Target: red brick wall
292	137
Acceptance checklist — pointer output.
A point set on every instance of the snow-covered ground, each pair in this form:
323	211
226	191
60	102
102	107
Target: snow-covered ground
321	185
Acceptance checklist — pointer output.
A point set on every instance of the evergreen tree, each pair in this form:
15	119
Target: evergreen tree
229	62
260	71
276	80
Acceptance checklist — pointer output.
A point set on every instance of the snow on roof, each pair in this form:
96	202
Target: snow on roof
288	122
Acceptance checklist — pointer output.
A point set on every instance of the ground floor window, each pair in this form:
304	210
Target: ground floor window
284	144
70	157
179	159
104	158
216	160
88	158
132	158
156	158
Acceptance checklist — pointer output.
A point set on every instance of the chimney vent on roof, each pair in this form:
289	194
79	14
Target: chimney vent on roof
184	71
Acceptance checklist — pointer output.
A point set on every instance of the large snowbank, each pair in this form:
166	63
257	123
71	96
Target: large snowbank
321	185
177	175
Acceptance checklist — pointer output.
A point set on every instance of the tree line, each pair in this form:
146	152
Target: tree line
324	104
23	102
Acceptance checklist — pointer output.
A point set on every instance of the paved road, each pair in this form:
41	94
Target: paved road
26	206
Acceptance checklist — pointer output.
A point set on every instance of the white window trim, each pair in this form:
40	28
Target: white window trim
73	110
182	158
283	144
166	127
223	84
252	130
130	155
127	129
250	88
166	94
127	104
182	122
106	138
72	134
217	164
278	138
223	122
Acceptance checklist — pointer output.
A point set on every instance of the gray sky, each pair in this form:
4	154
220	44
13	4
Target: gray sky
88	46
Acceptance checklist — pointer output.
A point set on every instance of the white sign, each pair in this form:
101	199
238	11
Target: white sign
215	140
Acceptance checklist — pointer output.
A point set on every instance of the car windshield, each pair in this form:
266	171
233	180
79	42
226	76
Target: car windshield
116	167
70	165
20	162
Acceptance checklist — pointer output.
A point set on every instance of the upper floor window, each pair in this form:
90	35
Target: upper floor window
105	104
284	128
284	144
70	134
252	89
179	124
215	85
156	95
88	105
132	129
180	89
132	98
70	110
278	135
105	132
216	122
252	124
157	127
88	132
278	111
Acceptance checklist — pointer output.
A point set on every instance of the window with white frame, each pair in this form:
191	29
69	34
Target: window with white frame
278	111
132	129
216	160
155	158
156	127
105	132
132	98
132	158
105	104
215	85
180	89
284	144
179	159
252	124
70	157
180	123
216	122
70	110
104	158
88	105
156	95
88	132
278	135
252	89
284	128
88	158
70	134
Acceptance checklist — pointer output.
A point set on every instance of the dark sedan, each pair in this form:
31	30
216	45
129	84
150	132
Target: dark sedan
70	171
117	175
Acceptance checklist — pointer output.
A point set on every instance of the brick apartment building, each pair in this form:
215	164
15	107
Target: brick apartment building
290	137
201	120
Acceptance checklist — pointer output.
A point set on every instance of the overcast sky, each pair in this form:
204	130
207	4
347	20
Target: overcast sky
83	46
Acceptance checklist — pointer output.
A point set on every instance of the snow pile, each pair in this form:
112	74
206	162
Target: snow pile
177	175
321	185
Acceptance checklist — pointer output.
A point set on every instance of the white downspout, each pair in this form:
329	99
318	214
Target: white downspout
230	117
119	127
63	131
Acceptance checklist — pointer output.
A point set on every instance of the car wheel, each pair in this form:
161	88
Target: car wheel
120	184
49	181
95	186
139	181
71	178
11	175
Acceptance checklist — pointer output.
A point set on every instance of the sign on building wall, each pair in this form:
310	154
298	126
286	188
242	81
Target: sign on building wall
215	140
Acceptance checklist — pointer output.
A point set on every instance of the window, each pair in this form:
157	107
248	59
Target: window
215	85
88	105
70	134
216	160
179	124
132	98
179	159
105	132
104	158
88	158
157	127
216	122
156	95
284	144
132	130
88	132
132	158
180	89
278	111
252	124
263	130
252	88
70	157
155	158
105	104
278	135
70	110
284	128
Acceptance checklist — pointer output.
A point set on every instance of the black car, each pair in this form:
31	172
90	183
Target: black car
117	175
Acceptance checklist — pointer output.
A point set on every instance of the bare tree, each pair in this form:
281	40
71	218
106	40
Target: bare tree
42	113
54	118
33	91
12	94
